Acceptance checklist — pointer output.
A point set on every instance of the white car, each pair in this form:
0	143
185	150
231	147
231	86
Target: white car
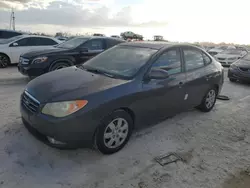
227	57
219	49
12	48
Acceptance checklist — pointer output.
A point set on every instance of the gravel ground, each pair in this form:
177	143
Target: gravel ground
215	147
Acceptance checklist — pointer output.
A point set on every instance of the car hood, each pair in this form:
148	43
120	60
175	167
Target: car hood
52	85
51	51
227	55
215	50
243	63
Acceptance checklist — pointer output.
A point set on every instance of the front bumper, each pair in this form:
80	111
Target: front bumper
73	131
236	73
33	69
226	62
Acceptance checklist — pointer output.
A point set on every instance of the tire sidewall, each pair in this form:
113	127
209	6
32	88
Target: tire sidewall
99	136
204	107
7	62
52	67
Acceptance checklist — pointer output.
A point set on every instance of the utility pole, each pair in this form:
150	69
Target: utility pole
12	20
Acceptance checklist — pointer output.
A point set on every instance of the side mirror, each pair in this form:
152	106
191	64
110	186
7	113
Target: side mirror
157	74
15	44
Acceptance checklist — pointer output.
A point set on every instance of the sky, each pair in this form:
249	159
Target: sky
176	20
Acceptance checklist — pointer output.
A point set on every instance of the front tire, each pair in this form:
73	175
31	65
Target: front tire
59	65
113	134
4	61
208	101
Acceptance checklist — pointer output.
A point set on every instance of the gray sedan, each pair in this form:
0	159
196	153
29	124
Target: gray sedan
131	85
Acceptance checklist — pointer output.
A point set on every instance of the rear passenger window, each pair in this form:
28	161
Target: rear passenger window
169	61
46	42
207	59
193	59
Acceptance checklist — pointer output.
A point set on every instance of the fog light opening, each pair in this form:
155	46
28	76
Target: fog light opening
53	141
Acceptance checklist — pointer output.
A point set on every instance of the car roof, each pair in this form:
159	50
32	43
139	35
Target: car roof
101	37
155	45
24	36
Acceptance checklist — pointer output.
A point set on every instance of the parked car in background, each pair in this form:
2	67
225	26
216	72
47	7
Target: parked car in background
72	52
218	49
5	34
158	38
227	57
240	70
12	48
130	85
98	35
131	35
115	36
62	38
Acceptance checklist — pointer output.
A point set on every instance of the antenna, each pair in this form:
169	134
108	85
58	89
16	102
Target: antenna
12	20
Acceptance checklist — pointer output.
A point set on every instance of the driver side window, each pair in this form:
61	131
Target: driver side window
96	44
169	61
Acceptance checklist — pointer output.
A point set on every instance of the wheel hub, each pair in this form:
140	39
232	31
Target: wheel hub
116	133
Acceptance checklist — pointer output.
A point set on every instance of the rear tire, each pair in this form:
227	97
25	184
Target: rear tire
4	61
59	65
209	100
113	134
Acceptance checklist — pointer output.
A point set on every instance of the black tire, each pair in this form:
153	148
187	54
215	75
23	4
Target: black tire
232	79
204	107
100	142
4	61
58	65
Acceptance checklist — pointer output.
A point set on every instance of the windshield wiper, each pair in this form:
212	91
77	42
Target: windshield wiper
96	71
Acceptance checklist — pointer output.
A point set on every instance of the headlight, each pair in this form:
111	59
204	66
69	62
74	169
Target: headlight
62	109
233	66
232	58
40	59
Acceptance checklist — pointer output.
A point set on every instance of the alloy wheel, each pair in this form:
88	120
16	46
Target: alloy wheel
3	61
116	133
210	99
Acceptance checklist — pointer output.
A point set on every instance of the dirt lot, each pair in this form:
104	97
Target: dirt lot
215	146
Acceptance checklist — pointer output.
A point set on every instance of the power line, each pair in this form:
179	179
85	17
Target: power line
12	20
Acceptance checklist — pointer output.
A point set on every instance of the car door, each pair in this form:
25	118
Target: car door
165	96
44	43
196	85
90	49
21	46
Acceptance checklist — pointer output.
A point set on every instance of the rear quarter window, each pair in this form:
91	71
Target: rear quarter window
193	59
207	59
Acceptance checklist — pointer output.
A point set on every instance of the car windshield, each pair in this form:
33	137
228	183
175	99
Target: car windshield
236	52
12	39
247	57
72	43
121	61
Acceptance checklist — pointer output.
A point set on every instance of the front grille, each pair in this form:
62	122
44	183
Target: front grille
29	102
213	53
244	69
222	59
